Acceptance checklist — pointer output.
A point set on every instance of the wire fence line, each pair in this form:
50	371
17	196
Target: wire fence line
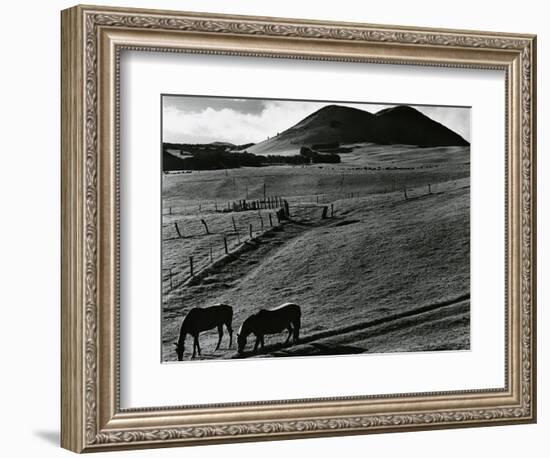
205	239
222	206
191	244
204	225
177	204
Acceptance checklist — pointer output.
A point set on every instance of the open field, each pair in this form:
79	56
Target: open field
367	169
387	271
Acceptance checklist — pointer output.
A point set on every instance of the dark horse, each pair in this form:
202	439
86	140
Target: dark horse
203	319
286	316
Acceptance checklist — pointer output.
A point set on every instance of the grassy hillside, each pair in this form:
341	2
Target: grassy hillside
380	262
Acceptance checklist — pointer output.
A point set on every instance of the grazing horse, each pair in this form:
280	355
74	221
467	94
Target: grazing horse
203	319
273	321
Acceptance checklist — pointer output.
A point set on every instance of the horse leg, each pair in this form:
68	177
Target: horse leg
194	347
262	342
198	346
220	335
296	336
289	334
230	330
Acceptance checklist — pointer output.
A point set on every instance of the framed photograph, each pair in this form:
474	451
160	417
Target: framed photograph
277	228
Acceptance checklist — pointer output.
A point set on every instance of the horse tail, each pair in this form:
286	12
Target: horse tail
296	323
229	325
229	317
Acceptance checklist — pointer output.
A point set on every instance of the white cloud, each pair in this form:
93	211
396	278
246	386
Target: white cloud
233	126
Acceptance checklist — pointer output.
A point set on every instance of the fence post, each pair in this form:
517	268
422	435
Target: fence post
287	209
234	225
261	220
191	264
270	220
429	188
405	192
324	214
178	230
331	210
225	244
250	230
205	226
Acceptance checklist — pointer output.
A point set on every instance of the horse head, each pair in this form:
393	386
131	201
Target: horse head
179	351
241	342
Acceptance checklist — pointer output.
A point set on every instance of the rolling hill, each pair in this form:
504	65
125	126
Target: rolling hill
344	125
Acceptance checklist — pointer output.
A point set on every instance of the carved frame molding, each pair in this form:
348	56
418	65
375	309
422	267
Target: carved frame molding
92	39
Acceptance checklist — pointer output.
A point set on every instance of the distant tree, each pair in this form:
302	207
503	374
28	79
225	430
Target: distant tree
307	152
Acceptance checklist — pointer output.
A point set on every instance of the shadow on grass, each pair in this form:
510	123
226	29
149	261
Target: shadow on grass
322	349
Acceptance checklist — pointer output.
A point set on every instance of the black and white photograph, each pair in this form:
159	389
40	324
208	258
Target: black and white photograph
313	228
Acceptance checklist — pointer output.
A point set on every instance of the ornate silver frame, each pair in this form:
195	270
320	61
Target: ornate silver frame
92	38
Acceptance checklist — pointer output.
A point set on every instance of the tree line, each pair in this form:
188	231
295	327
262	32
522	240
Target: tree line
221	156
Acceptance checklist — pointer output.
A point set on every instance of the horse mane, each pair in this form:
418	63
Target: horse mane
188	317
281	306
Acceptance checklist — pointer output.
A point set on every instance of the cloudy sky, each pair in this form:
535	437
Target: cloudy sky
191	119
